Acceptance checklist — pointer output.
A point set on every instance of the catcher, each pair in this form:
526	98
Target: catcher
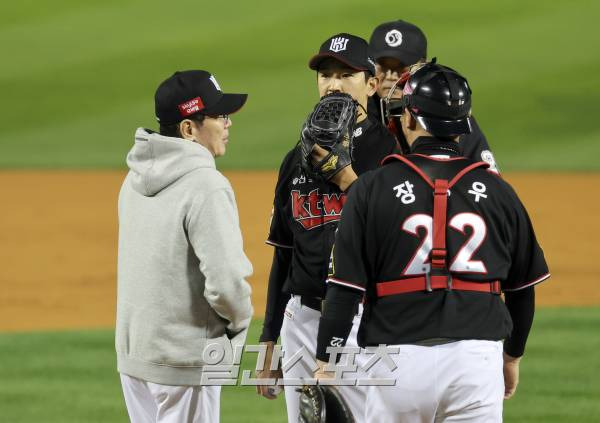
309	197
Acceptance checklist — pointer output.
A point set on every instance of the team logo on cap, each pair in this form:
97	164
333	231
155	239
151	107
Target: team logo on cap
214	81
393	38
338	44
190	107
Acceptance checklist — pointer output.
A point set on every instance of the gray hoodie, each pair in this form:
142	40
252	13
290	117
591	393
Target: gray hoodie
182	268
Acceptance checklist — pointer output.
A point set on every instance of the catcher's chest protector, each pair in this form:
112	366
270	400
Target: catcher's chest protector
439	268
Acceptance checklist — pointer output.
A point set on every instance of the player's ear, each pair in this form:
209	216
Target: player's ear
372	84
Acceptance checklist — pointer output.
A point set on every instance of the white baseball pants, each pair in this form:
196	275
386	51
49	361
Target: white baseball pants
457	382
149	402
300	328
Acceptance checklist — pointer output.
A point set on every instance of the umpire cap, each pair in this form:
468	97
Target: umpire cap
400	40
439	98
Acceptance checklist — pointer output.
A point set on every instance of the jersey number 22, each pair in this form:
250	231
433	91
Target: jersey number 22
462	261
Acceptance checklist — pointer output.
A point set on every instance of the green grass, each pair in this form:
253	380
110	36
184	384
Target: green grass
71	376
77	77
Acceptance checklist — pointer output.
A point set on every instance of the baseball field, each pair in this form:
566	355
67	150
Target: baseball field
77	78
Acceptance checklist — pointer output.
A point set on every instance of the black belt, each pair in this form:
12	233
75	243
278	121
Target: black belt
316	303
311	302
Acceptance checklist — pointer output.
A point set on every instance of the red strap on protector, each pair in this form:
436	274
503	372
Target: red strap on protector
440	206
420	284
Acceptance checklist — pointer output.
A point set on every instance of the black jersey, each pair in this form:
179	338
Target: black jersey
306	211
473	146
386	235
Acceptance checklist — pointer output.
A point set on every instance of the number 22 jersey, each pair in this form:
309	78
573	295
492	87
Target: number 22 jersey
385	234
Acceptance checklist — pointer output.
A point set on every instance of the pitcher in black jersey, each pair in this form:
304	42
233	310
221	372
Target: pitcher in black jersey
306	212
429	241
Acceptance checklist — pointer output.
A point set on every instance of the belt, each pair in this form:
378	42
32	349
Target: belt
311	302
429	283
433	342
316	303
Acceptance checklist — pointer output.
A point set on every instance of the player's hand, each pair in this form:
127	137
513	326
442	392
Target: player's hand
321	373
268	391
343	178
318	153
511	375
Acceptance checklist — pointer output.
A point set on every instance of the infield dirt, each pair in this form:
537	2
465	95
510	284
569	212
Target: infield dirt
58	242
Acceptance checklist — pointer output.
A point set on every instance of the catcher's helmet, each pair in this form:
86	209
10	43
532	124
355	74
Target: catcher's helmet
438	97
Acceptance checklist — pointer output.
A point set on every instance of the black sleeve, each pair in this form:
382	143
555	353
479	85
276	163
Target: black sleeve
336	321
528	265
521	306
475	146
280	234
276	299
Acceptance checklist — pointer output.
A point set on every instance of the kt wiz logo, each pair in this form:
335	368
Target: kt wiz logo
338	44
313	210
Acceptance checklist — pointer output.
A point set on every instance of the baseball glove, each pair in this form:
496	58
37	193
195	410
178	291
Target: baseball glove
330	126
322	404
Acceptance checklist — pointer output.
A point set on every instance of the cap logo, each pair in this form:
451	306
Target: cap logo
338	44
393	38
190	107
215	83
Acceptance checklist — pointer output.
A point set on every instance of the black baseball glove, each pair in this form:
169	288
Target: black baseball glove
330	126
322	404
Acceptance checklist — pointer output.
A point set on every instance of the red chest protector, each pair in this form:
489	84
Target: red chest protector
439	276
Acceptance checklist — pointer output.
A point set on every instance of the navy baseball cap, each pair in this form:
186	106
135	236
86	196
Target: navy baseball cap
191	92
346	48
400	40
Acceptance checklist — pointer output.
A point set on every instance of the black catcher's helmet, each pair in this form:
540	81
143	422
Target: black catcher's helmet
438	97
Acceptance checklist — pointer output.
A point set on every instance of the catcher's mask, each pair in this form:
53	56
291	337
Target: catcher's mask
438	97
389	105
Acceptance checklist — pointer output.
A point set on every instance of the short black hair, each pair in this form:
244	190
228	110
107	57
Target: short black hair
173	129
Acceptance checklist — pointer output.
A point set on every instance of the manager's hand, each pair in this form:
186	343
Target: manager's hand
268	391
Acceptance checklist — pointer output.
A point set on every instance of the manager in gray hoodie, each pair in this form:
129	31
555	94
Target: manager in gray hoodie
182	268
